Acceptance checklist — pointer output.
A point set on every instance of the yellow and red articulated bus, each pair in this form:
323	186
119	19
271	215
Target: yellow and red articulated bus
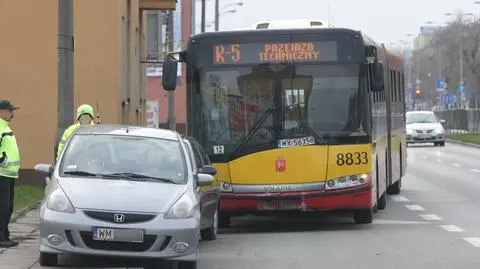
296	119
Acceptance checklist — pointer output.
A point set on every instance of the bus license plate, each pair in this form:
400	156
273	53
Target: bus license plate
279	205
296	142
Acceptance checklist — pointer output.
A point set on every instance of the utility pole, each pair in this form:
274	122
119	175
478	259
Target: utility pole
217	15
172	125
65	102
203	16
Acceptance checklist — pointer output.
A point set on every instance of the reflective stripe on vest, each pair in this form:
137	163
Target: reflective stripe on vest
7	173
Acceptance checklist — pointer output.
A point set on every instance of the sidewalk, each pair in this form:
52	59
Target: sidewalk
25	255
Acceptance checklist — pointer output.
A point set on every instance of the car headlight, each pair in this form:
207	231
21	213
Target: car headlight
183	208
347	182
439	130
409	131
58	201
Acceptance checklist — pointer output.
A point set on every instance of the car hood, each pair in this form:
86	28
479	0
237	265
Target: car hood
121	195
422	126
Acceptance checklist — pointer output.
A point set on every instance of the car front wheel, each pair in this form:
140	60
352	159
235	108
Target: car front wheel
210	233
48	259
187	265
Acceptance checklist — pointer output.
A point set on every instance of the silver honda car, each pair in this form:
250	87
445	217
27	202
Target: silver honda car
129	192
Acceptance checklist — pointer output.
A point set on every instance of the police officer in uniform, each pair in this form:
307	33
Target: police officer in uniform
85	116
9	166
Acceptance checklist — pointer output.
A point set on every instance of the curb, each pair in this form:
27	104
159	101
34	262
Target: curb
22	212
462	143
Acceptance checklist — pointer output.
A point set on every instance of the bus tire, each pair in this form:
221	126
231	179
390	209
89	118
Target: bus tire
363	216
382	200
396	187
223	220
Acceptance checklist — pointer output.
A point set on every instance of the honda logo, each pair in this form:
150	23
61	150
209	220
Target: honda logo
119	218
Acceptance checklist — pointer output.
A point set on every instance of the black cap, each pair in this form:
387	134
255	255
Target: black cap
5	104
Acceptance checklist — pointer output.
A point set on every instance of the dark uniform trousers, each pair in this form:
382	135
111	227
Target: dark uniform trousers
7	194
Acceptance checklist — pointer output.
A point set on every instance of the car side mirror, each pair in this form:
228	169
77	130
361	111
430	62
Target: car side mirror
45	168
209	170
442	121
205	179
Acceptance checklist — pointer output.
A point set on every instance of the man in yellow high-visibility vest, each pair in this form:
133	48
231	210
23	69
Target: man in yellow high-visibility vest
85	116
9	167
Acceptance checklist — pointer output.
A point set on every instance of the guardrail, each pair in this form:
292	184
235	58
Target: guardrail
460	120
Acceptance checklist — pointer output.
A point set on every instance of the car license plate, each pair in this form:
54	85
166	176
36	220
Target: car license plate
296	142
279	205
119	235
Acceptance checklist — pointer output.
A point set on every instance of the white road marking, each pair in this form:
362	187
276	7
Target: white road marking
415	207
475	170
424	156
475	241
431	217
438	160
452	228
456	164
389	221
399	199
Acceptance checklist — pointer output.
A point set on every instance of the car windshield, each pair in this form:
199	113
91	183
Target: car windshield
421	118
113	156
276	102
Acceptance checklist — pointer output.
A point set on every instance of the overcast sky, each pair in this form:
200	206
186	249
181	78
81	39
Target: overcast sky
383	20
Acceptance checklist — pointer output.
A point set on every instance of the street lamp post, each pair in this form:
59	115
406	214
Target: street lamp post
462	81
217	12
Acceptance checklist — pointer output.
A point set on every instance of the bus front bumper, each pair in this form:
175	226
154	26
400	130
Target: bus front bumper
351	199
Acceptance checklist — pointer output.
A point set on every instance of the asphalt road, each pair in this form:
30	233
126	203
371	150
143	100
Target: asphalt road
433	223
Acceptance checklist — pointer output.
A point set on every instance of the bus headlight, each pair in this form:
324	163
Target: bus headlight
347	182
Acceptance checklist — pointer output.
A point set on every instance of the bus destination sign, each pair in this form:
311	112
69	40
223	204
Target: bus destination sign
257	53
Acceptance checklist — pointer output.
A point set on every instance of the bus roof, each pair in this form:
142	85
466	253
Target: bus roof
291	24
254	32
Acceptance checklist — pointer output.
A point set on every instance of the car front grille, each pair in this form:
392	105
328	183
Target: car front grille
128	217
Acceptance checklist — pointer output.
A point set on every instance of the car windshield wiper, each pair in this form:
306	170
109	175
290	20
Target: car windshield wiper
80	173
252	131
138	177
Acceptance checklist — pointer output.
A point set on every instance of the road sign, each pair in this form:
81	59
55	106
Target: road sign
440	85
448	99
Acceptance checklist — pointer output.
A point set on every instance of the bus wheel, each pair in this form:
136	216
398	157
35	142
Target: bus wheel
223	221
363	216
382	201
396	187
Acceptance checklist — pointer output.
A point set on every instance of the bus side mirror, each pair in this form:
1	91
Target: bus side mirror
169	73
377	78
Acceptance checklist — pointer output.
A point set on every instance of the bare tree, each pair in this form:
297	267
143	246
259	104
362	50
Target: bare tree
447	42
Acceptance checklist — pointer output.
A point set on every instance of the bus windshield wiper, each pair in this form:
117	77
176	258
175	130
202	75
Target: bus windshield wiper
139	177
312	132
254	129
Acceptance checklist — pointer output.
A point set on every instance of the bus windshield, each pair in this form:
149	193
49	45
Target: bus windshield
248	109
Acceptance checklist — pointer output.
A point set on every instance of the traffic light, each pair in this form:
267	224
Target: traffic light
418	94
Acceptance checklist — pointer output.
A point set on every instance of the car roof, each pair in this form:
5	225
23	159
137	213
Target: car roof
128	130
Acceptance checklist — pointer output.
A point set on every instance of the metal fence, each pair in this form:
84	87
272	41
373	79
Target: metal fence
460	120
